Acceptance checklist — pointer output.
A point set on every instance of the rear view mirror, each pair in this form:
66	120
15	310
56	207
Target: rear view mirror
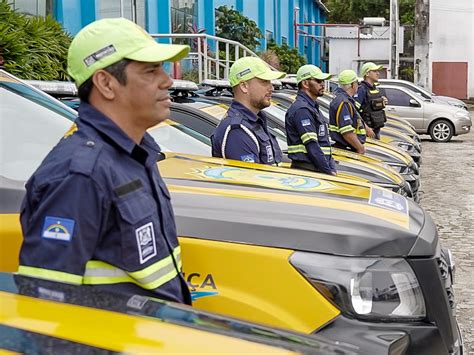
414	103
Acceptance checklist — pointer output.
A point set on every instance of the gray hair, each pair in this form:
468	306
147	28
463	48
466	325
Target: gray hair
345	87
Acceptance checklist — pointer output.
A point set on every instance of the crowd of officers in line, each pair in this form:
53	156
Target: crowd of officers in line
97	211
357	111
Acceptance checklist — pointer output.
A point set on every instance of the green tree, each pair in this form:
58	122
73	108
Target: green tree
232	25
353	11
289	58
32	47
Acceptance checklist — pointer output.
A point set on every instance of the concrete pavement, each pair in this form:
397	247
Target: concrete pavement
448	195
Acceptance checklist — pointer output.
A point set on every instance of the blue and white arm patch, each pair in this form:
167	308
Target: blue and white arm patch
58	228
347	117
248	158
306	122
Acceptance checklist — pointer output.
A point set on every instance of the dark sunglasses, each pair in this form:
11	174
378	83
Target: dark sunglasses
317	80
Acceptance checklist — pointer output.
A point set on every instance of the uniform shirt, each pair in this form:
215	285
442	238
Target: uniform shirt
362	100
343	118
307	134
97	212
244	136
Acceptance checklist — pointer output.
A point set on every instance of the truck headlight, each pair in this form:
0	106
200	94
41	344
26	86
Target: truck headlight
365	288
403	145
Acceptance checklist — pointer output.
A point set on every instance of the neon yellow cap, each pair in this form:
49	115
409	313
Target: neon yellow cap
107	41
310	71
369	66
247	68
347	76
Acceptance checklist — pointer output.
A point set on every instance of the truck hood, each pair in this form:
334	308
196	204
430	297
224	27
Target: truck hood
225	200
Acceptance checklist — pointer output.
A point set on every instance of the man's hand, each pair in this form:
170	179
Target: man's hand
361	149
385	101
370	132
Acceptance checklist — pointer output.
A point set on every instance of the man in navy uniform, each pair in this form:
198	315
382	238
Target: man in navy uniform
243	134
97	212
307	132
345	123
369	100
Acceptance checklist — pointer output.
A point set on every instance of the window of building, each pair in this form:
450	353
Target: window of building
132	9
269	36
184	16
33	7
284	40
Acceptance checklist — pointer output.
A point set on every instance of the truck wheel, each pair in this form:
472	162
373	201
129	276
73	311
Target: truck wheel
441	131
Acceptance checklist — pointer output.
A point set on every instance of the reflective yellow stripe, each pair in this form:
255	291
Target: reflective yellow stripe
50	274
338	112
308	136
358	105
333	128
98	272
376	91
360	131
346	129
300	148
326	150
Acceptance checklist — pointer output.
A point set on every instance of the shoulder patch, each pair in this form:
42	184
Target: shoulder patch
58	228
347	117
305	122
248	158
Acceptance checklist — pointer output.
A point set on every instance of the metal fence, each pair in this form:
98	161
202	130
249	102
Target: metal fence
210	56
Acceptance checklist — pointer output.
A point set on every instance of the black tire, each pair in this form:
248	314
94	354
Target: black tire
441	131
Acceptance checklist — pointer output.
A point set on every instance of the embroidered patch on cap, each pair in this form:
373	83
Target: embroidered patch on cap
243	72
101	53
249	158
58	228
306	122
146	242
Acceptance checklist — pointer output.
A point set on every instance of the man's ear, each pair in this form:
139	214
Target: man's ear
105	83
244	87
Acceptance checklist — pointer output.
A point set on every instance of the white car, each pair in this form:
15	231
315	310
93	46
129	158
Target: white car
439	120
419	90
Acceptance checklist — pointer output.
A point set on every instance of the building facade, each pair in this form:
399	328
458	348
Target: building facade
277	19
451	48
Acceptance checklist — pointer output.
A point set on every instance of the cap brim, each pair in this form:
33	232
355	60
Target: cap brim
271	75
322	76
159	52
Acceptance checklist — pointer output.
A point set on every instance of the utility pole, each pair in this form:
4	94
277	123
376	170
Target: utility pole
422	43
394	33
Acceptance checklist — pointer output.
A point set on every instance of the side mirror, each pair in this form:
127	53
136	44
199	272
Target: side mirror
414	103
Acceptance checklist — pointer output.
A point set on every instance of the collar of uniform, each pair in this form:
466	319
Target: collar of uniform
366	83
103	124
245	111
307	98
340	91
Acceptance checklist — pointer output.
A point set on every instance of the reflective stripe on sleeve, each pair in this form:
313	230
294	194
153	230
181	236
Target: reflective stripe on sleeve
300	148
47	274
346	129
151	277
308	136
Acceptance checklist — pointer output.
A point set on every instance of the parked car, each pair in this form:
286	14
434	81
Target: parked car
425	94
45	317
439	120
350	261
